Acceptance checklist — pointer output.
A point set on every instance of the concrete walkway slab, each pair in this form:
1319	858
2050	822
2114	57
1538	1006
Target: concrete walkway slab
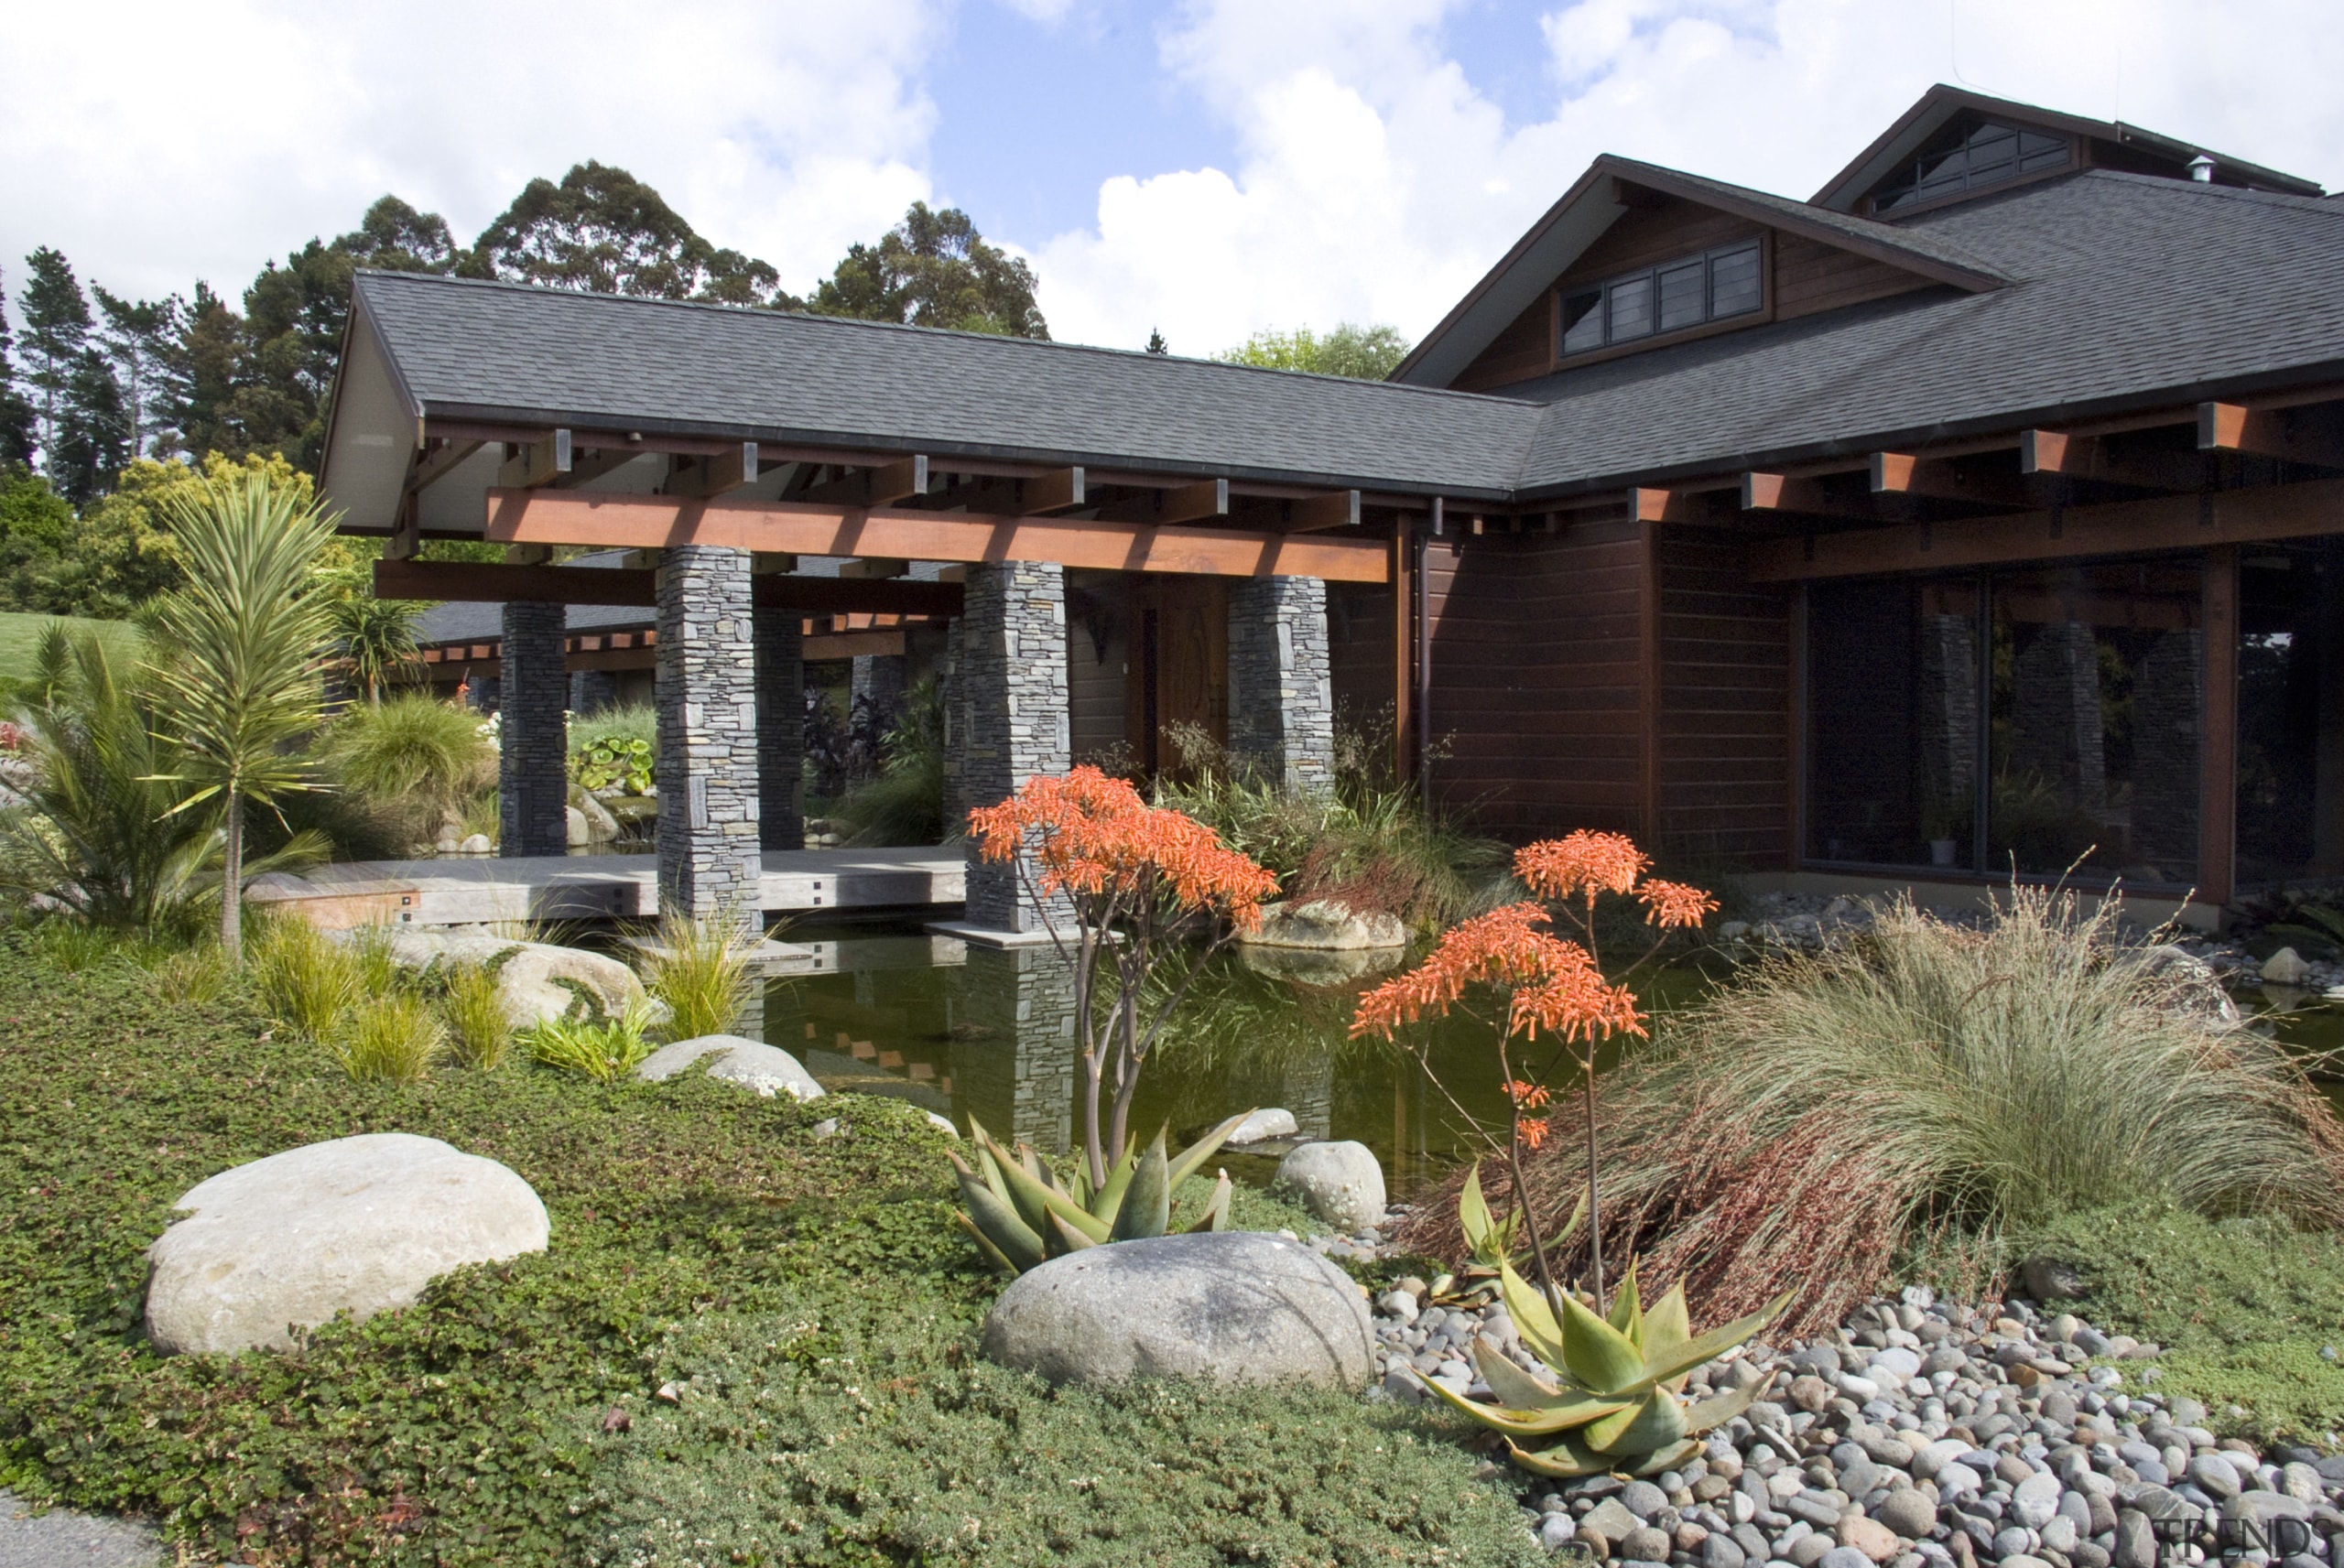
63	1539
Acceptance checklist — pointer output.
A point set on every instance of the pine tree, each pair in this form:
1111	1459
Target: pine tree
93	432
138	339
57	335
1156	343
15	411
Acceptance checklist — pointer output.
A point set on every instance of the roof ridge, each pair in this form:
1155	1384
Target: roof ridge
401	276
2325	206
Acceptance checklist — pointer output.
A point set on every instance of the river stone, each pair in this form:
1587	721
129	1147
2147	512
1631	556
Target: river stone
1237	1306
1267	1122
357	1224
536	980
1907	1512
767	1069
1341	1182
2285	968
1325	922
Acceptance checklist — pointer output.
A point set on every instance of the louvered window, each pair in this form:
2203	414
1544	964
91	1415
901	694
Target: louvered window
1670	298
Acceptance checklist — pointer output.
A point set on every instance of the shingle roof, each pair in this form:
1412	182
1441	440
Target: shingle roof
2129	289
488	350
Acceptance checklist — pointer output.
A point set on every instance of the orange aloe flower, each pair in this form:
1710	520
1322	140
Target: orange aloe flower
1673	905
1584	862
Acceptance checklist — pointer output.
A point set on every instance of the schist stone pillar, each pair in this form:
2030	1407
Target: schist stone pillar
2056	732
533	757
2168	719
781	728
1281	690
877	679
591	691
1013	1051
1007	716
1948	720
707	735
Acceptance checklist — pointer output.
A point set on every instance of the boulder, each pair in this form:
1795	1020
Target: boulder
477	844
1320	966
1324	922
599	825
2285	968
357	1224
1341	1182
1236	1306
767	1069
1268	1122
2051	1279
535	981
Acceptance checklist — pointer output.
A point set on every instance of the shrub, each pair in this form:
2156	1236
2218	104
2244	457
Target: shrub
624	724
197	976
904	803
605	1050
477	1028
701	968
863	1431
414	758
615	762
1934	1078
392	1036
306	980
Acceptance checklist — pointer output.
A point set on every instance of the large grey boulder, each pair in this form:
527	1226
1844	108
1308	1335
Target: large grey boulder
1270	1122
1325	922
1342	1184
1236	1306
767	1069
357	1224
535	981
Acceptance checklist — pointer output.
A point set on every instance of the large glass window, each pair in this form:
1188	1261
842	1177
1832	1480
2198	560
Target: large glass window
2080	686
2290	713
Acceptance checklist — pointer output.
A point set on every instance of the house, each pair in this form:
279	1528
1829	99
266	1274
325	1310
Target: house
1981	511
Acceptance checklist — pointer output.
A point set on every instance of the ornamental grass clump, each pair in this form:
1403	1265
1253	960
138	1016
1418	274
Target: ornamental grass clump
478	1031
701	968
603	1049
308	981
392	1036
1803	1129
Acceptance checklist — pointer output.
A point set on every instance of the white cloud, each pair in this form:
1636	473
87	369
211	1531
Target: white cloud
235	131
1375	183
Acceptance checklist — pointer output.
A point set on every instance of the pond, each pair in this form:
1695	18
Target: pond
964	1030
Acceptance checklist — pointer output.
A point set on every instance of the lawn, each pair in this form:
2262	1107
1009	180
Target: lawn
20	635
807	1303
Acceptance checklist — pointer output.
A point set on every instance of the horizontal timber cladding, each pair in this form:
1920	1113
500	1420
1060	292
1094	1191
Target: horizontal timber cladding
1536	677
1722	735
1810	277
1360	645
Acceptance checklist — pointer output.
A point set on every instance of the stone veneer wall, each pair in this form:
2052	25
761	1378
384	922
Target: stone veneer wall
2056	725
533	759
707	735
1281	685
1006	713
2168	719
781	728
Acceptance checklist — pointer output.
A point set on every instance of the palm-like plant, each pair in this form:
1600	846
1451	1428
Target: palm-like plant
377	637
239	658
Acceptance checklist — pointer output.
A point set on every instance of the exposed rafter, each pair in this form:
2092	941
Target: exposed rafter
1183	504
715	474
2092	457
536	463
1944	479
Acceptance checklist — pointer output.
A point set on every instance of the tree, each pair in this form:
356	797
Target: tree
237	659
377	637
935	270
57	336
93	437
138	339
1363	354
16	409
1156	343
603	231
395	237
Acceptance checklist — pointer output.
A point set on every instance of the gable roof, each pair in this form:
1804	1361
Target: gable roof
1913	129
2131	291
1591	206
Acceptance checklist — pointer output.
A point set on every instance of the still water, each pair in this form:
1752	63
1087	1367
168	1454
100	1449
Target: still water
963	1030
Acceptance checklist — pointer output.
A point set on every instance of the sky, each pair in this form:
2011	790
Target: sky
1206	168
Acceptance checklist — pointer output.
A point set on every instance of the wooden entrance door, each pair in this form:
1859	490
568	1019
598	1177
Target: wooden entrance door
1179	673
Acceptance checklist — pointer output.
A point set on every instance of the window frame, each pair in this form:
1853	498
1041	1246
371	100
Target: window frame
1600	294
1915	170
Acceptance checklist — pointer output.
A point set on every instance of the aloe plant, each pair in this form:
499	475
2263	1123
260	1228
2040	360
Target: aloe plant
1617	1404
1022	1215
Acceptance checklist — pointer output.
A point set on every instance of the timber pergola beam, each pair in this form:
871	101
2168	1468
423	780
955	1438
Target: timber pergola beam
1803	494
2267	430
470	583
2093	457
635	521
714	475
1946	478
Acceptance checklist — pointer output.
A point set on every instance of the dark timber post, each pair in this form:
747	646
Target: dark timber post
532	766
781	728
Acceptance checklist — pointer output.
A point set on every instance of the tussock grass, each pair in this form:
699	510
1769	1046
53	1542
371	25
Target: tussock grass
701	968
605	1050
478	1031
394	1036
308	981
1807	1127
193	977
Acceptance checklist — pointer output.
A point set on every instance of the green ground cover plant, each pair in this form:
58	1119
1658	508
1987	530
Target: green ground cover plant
688	1219
21	633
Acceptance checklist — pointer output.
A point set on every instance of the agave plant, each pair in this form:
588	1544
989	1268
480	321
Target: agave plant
1021	1215
1617	1404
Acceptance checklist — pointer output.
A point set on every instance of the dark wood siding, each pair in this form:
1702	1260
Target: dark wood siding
1724	731
1651	234
1098	644
1810	277
1536	679
1360	652
1525	350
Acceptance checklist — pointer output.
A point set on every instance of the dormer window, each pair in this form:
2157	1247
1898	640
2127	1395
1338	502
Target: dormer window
1675	294
1971	155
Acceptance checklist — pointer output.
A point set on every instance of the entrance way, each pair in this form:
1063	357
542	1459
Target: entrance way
1179	671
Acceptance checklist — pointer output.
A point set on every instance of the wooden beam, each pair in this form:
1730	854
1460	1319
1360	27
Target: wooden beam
1182	503
2091	458
1336	509
880	486
874	568
1676	504
537	464
621	522
1800	494
2157	522
470	582
713	476
439	463
587	466
2264	432
1942	479
1039	495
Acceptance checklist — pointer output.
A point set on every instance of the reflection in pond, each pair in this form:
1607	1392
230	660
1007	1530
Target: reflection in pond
965	1030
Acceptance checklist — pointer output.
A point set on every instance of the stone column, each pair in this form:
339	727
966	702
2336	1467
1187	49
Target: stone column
877	679
2168	717
781	728
707	735
1948	723
1281	689
1009	715
533	759
591	691
2056	727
